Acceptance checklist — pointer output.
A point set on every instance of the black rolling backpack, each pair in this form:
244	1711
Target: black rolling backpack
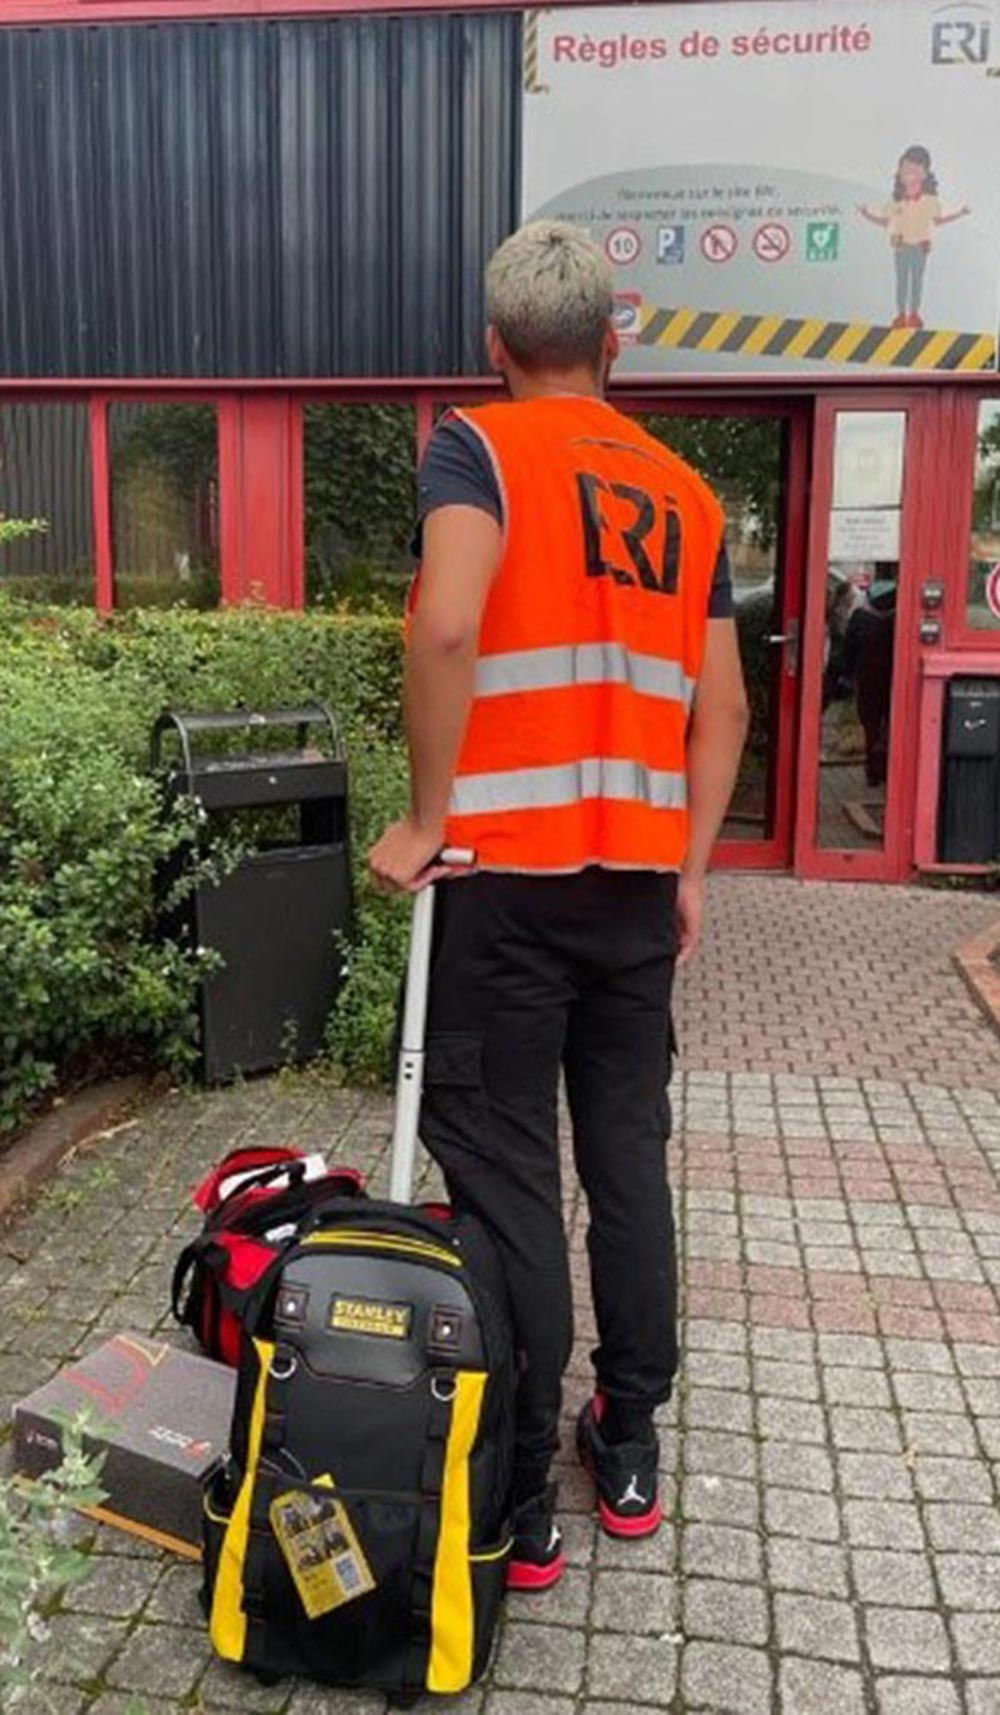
359	1532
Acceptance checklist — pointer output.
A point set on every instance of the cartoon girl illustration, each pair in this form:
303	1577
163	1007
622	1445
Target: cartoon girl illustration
911	216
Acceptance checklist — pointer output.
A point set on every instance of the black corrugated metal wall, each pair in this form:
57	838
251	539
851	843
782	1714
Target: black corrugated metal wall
255	198
45	473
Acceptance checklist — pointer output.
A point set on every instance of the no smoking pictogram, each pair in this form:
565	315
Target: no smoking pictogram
772	242
718	243
993	591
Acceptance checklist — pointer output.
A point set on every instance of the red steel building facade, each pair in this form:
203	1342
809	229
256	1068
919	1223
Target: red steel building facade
264	206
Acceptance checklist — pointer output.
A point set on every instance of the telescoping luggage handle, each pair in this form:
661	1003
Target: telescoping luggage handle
410	1072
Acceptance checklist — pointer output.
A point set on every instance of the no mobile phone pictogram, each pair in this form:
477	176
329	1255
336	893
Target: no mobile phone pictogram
719	243
772	242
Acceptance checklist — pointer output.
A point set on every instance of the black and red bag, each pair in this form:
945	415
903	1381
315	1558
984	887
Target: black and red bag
243	1233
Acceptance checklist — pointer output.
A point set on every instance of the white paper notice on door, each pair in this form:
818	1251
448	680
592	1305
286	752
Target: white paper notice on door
868	533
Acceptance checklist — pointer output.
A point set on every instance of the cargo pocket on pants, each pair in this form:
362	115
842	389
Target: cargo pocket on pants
454	1108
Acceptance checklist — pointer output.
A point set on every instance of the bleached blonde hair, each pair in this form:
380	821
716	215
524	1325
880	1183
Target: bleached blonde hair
550	294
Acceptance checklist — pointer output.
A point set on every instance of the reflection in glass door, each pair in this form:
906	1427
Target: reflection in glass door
755	462
860	642
872	542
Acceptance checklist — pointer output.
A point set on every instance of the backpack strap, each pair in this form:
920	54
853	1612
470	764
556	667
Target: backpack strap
182	1283
244	1199
283	1364
248	1212
421	1595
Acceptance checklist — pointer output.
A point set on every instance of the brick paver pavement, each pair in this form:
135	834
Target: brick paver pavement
830	1460
808	977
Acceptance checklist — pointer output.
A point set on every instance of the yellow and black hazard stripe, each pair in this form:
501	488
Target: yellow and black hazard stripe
532	86
811	340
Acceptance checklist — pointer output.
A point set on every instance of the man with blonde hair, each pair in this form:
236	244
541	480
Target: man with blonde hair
575	712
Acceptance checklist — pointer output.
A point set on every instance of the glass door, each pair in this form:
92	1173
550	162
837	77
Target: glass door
869	548
755	458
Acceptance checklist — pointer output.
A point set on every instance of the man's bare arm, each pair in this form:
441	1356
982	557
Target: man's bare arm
461	553
716	736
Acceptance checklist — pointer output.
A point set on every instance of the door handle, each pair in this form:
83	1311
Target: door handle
788	639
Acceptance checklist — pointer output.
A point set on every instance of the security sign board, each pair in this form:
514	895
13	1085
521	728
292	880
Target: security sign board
802	186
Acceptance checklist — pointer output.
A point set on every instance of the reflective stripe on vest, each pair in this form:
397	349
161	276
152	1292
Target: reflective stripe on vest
568	783
570	664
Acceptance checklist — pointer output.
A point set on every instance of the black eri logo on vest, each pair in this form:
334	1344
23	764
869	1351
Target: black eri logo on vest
633	523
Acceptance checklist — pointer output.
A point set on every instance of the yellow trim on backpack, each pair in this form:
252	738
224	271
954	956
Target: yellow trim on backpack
385	1242
228	1626
452	1611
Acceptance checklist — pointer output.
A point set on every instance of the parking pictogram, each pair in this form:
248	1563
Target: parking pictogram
772	242
718	243
670	245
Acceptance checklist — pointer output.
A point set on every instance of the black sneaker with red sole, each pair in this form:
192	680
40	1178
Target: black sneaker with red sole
537	1560
625	1475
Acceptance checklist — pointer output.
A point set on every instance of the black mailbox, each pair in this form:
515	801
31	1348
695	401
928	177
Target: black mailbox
273	919
970	796
973	718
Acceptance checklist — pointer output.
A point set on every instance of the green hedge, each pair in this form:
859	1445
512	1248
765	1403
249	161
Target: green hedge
81	978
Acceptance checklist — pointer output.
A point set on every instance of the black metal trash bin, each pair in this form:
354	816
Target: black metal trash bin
273	919
970	795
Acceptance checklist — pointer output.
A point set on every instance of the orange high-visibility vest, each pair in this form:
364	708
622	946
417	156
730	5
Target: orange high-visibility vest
591	644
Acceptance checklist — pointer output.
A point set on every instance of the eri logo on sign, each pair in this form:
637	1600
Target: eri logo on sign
960	35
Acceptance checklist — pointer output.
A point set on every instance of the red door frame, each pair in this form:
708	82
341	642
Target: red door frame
894	862
776	853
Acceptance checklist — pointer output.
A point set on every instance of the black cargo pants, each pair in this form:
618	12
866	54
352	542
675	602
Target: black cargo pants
530	975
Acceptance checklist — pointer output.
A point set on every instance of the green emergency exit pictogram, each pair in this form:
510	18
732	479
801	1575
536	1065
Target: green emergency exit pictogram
822	241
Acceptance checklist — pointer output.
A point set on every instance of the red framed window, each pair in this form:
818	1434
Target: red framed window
46	481
972	562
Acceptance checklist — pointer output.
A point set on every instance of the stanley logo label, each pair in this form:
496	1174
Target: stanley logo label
371	1316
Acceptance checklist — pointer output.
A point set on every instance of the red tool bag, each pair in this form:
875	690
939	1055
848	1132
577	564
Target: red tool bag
242	1235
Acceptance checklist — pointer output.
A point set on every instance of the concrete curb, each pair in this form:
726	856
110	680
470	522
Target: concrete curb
35	1156
974	962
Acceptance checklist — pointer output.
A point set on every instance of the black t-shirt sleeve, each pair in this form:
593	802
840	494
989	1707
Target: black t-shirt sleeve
456	470
720	599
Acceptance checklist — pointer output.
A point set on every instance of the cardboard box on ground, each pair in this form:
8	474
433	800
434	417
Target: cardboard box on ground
161	1415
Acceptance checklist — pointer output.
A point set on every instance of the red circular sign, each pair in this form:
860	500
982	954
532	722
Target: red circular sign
719	243
993	590
772	242
623	245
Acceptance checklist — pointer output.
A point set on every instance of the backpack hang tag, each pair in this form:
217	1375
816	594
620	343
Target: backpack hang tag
321	1550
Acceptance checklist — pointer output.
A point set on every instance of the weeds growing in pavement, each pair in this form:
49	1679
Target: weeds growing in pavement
39	1558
